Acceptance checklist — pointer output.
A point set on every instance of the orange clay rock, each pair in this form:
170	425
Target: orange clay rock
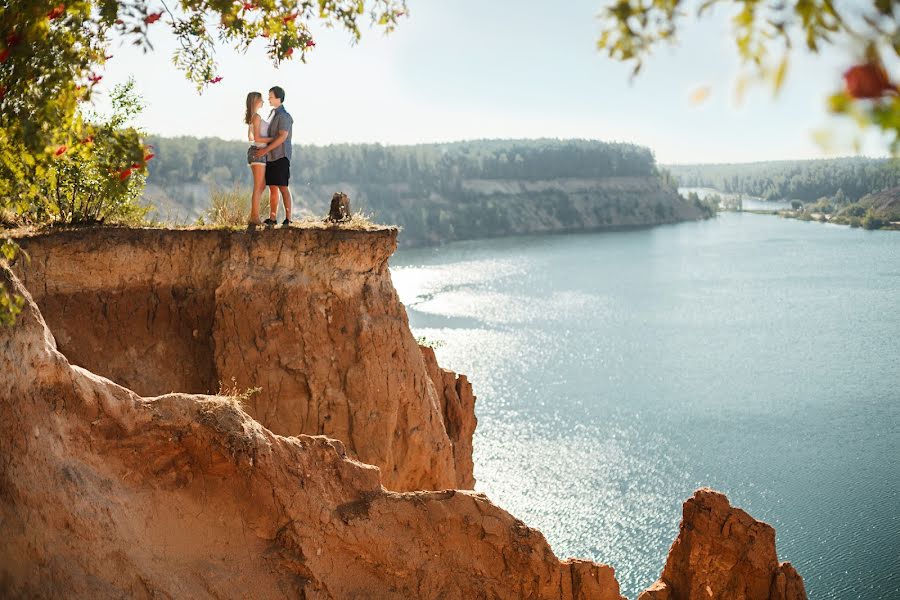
722	552
458	408
310	316
106	494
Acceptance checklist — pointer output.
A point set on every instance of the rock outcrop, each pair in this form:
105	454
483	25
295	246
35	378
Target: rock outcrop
310	316
722	552
458	409
106	494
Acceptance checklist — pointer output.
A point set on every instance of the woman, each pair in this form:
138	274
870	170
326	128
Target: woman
257	134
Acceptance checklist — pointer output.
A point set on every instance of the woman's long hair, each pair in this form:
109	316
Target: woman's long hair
252	97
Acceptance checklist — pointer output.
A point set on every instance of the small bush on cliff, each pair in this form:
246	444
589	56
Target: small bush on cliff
227	207
92	180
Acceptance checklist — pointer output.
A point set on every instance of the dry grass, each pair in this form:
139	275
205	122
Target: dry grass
234	395
359	221
228	208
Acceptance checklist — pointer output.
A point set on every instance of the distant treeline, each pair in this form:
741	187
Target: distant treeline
425	167
441	192
805	180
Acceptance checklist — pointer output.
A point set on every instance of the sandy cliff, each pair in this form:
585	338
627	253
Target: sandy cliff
105	494
310	316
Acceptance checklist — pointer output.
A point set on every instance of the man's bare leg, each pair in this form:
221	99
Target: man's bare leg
287	200
273	202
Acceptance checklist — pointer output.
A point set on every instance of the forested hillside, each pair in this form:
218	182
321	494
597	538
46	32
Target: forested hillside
845	180
441	192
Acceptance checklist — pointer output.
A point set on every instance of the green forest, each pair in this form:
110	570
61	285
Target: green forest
860	192
848	179
425	167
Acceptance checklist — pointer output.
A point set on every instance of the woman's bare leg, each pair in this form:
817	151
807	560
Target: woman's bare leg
259	184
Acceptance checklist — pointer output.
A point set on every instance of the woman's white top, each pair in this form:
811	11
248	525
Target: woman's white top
263	132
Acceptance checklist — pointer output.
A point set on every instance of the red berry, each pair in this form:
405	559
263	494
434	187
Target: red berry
867	81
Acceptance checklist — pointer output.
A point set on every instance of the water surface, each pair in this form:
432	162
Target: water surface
617	372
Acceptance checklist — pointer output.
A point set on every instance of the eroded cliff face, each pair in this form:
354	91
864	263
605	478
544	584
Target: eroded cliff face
106	494
310	316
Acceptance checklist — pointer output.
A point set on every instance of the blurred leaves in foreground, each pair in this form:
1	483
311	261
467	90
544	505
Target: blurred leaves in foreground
765	34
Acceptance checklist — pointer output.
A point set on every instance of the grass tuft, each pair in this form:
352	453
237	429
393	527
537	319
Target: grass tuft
234	395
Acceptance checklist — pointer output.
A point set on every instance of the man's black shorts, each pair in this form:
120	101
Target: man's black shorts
278	171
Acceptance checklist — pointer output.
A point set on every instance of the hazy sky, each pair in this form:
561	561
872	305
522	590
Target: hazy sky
500	69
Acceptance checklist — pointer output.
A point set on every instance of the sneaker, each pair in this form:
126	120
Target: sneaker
270	222
286	223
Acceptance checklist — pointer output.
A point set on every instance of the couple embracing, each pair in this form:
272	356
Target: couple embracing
269	155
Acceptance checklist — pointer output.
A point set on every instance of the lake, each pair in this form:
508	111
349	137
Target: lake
618	372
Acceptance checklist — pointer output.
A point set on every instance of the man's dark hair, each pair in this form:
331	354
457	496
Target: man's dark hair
279	93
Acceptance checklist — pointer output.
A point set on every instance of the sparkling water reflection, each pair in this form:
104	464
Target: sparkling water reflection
618	372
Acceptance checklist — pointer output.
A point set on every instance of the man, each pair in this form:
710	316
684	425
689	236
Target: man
278	158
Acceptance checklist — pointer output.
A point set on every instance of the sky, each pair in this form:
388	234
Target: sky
506	69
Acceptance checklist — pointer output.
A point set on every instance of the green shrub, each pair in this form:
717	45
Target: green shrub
856	210
94	180
429	343
870	221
